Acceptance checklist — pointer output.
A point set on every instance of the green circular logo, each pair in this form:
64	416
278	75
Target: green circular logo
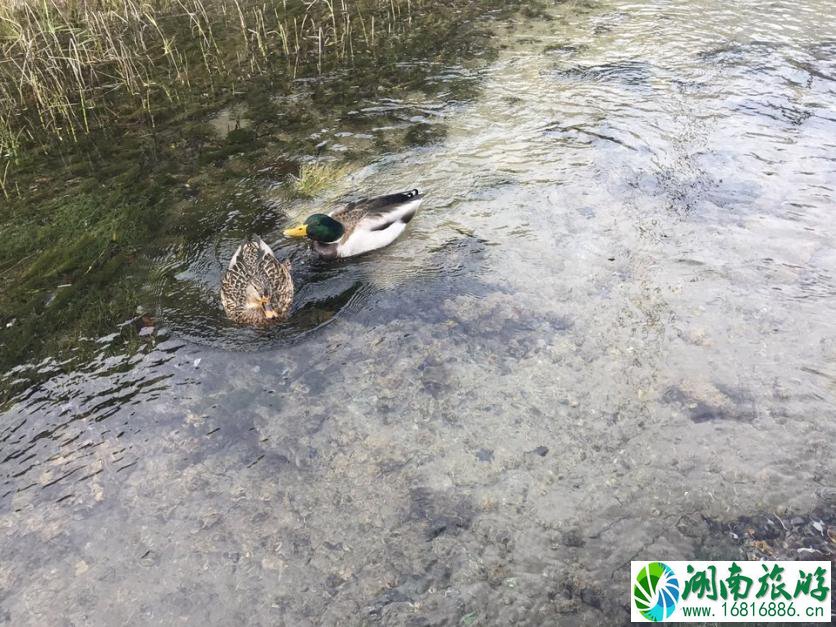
656	591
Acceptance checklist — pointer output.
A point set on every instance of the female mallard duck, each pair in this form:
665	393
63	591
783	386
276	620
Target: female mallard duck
359	226
256	289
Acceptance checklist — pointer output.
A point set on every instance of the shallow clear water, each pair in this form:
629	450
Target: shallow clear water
615	316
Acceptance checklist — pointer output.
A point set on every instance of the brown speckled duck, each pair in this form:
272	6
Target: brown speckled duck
256	289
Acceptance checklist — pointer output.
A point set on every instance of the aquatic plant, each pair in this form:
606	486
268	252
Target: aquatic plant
108	162
314	177
68	66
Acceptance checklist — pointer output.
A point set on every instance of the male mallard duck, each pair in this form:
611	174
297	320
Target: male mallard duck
359	226
256	289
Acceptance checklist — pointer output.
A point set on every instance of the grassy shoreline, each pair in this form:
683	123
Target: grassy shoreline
71	66
85	217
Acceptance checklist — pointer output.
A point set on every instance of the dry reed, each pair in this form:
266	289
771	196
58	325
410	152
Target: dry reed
69	66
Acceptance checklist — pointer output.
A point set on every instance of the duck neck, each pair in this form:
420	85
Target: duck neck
326	250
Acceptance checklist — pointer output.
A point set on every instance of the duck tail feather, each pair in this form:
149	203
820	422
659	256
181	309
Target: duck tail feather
265	249
235	255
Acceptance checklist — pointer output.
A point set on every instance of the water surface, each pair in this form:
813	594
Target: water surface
613	321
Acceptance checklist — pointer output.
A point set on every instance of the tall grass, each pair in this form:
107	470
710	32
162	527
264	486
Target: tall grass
69	66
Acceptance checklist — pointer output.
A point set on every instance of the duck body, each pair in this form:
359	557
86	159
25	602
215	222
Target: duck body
256	289
360	226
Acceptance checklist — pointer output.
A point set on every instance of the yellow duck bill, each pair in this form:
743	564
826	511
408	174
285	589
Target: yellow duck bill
297	231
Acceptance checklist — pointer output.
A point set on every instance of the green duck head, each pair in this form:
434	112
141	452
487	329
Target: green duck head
318	227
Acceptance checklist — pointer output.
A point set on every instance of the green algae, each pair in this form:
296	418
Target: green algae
423	134
87	220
